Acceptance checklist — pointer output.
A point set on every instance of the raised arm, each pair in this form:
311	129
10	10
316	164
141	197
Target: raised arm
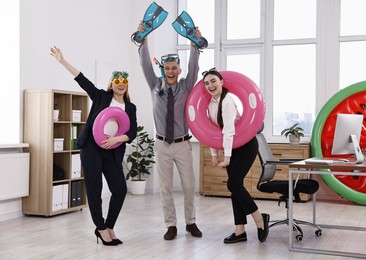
193	66
145	62
56	52
83	82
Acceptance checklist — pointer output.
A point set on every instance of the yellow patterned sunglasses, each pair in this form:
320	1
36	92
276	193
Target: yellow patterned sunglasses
116	78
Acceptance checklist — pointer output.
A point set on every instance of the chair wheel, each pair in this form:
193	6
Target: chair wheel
298	238
318	233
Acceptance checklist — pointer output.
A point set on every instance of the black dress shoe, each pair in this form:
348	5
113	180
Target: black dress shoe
171	233
193	229
263	232
234	238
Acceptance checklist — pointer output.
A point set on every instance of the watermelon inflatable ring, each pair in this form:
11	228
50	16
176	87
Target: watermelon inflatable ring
350	100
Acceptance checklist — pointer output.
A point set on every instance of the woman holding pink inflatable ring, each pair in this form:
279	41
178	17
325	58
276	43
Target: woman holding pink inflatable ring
223	112
97	160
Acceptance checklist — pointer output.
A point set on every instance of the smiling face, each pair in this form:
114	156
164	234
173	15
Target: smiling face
171	71
213	85
119	86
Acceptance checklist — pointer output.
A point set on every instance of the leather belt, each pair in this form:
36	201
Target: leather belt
176	140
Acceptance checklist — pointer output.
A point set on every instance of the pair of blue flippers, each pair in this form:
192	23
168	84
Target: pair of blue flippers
155	15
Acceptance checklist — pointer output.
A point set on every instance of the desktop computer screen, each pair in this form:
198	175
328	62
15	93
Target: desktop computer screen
347	136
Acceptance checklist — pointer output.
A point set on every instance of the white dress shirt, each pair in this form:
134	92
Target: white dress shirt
230	115
111	126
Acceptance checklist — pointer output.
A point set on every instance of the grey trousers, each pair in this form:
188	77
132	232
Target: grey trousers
180	154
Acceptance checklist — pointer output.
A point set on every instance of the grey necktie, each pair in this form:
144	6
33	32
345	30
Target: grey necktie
170	118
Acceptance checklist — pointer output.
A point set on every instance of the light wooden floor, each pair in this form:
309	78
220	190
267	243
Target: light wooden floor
141	228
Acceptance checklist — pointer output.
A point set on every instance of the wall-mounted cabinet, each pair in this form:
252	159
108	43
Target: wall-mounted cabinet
56	177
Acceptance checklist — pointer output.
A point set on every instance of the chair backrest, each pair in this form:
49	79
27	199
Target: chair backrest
265	154
268	163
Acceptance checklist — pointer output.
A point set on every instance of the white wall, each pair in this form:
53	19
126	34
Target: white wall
94	36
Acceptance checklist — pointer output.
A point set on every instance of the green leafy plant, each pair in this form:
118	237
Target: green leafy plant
294	130
140	161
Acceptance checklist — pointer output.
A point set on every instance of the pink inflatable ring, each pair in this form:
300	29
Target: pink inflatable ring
106	114
248	125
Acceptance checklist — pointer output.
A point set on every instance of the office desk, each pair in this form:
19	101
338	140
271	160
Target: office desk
306	168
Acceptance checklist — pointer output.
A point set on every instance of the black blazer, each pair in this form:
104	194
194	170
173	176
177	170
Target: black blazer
101	100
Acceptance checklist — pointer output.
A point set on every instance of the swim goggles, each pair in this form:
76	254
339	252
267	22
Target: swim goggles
208	71
170	57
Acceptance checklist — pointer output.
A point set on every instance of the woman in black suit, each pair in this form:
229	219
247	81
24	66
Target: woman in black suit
97	160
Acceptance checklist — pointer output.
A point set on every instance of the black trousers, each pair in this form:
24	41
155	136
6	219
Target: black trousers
95	162
241	160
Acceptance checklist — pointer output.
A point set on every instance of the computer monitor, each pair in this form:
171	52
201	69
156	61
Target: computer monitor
347	136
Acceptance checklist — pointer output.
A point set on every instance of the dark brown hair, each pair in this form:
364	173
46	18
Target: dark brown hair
214	72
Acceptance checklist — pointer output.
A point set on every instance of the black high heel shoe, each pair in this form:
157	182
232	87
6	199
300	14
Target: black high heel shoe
118	241
110	243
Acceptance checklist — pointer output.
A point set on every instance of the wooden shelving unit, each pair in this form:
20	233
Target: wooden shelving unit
213	180
40	130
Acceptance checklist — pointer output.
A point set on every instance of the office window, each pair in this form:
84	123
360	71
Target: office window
352	42
352	63
294	19
299	46
247	64
353	17
9	67
294	87
243	19
294	65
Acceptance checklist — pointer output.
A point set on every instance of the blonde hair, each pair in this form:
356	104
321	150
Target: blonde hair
117	74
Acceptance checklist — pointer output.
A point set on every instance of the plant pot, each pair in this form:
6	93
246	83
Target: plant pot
137	187
294	140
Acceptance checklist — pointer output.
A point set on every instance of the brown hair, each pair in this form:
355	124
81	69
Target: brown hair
214	72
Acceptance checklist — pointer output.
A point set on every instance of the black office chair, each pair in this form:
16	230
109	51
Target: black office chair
267	184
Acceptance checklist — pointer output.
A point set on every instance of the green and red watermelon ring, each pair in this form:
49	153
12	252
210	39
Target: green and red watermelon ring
350	100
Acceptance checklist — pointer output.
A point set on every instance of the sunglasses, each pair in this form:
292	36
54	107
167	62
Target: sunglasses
117	78
170	57
118	82
208	71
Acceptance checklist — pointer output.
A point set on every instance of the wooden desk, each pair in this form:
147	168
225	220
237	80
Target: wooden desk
313	169
213	180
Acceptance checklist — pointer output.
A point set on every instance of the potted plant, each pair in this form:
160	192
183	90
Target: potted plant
294	133
139	162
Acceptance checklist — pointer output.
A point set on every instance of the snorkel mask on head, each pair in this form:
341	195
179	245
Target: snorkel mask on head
116	78
170	57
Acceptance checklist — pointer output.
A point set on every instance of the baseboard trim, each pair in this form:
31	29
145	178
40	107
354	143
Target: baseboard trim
11	215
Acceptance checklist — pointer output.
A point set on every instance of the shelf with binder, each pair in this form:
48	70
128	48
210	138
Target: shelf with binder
77	190
55	159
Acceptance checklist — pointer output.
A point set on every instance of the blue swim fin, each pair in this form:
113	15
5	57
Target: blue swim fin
154	16
184	26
